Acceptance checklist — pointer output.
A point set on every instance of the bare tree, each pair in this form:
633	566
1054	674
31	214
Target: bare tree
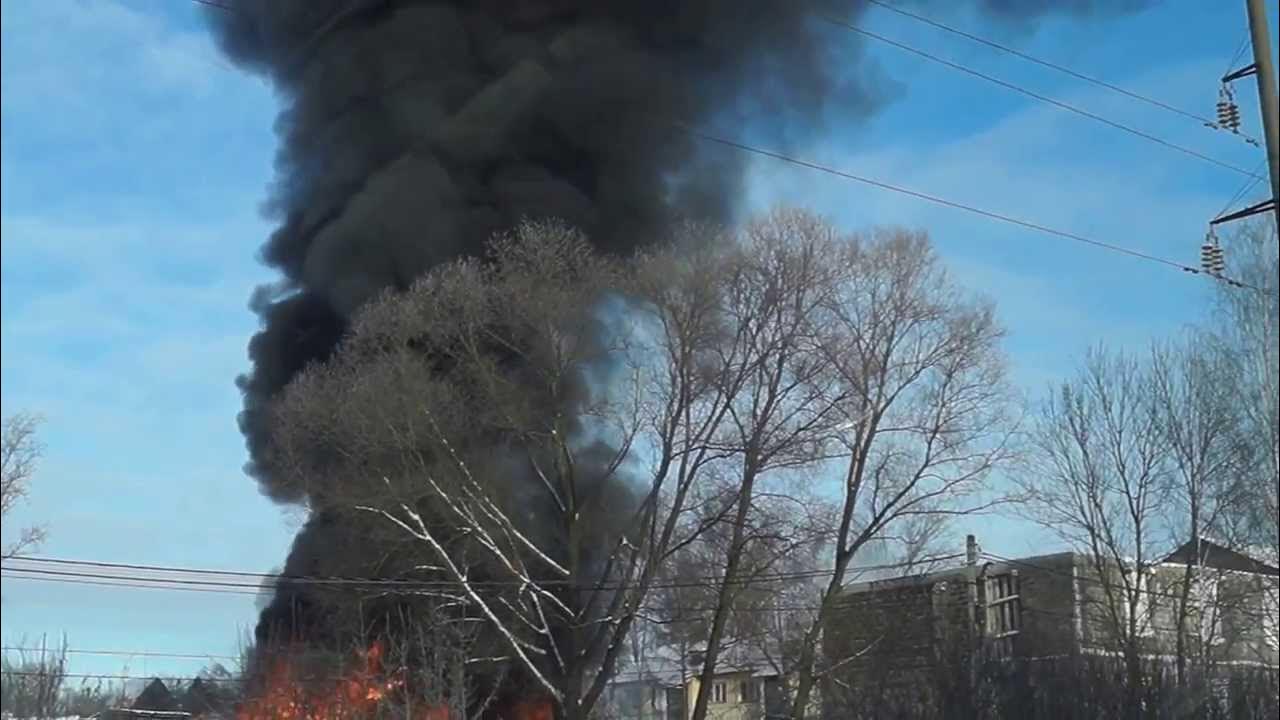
923	402
494	415
1245	331
1207	461
787	408
1099	479
774	595
90	697
1246	328
31	680
19	454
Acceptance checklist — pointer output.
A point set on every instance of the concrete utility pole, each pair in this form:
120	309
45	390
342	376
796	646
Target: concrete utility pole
1266	71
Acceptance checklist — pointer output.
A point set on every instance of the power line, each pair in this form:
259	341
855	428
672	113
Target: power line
117	653
1015	52
1244	44
959	206
111	676
211	586
126	677
1052	65
1243	191
125	585
136	579
1035	95
407	584
647	608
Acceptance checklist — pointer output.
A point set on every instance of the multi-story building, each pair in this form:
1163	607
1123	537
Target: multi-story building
909	634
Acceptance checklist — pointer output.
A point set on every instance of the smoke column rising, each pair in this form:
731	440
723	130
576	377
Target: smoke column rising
411	131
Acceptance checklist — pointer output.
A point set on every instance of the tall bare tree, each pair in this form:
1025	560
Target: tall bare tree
1207	462
19	454
1245	330
1099	479
1246	327
787	409
924	407
553	429
32	679
537	424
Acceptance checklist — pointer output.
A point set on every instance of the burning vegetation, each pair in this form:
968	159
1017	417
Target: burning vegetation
371	686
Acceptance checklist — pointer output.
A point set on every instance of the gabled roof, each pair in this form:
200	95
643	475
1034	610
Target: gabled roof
200	698
736	657
1213	555
156	696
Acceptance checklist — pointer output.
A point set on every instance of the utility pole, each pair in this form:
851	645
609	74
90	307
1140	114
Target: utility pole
1266	72
1264	69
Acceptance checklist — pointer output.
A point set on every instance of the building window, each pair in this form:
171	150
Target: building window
1271	614
719	693
1206	603
675	703
1004	612
749	691
1144	588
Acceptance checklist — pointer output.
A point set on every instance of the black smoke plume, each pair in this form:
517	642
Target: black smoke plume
412	131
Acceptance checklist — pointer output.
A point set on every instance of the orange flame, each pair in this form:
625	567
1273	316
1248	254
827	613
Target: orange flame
533	710
357	696
354	697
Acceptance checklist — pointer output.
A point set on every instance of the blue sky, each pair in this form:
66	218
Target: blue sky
135	160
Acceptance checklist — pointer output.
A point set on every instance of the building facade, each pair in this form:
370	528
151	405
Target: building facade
743	693
928	634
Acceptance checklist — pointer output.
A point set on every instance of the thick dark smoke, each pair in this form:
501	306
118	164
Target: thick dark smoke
412	131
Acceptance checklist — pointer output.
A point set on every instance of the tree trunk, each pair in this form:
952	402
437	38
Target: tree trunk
1133	682
725	596
806	679
1180	626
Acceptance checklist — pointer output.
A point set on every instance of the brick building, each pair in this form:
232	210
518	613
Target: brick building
924	635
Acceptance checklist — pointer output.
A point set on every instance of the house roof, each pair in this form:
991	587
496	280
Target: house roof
156	696
201	698
737	657
1213	555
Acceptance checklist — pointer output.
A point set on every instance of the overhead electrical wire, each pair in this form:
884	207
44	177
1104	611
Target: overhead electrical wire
1242	192
1244	43
129	677
56	650
179	577
688	129
1210	122
937	200
1033	94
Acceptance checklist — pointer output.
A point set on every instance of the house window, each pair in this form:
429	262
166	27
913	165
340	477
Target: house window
1207	605
749	691
675	703
1004	612
719	693
1144	589
1271	615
